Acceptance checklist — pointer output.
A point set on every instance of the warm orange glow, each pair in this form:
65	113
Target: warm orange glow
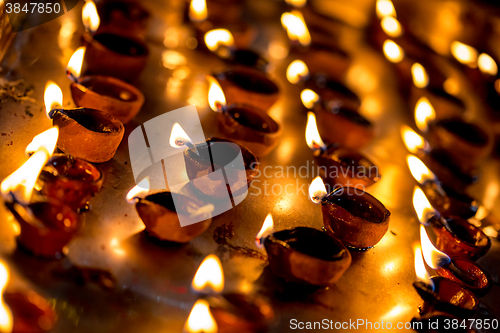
53	97
200	319
296	27
419	170
198	10
178	137
209	277
90	17
385	8
424	113
465	54
412	140
296	71
114	245
422	206
487	65
217	38
216	98
433	257
317	190
142	188
266	230
44	141
313	139
419	74
5	314
420	269
309	98
296	3
76	61
391	26
393	52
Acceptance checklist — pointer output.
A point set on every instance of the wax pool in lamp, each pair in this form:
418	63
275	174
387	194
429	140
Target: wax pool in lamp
85	133
304	255
104	93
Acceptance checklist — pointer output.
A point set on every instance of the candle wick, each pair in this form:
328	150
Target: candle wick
72	76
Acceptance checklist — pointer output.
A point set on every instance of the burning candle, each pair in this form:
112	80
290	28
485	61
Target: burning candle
200	319
304	255
104	93
247	125
89	134
434	103
352	215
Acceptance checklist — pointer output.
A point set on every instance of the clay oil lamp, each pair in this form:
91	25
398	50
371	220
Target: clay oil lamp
352	215
85	133
104	93
304	255
122	16
163	212
245	124
441	294
232	311
113	54
339	165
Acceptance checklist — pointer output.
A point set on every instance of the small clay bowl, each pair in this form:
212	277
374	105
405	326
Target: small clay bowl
207	164
243	33
450	202
447	296
88	134
108	94
445	105
307	256
115	55
160	215
251	127
245	57
468	274
328	61
464	240
46	227
334	94
70	180
245	85
341	166
31	313
355	217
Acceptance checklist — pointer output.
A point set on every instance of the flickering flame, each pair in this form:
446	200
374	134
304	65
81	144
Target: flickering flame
391	26
76	61
419	170
217	38
393	52
90	17
209	276
44	141
487	65
216	98
142	188
433	257
5	314
313	139
385	8
266	230
420	269
412	140
53	97
317	190
198	10
22	181
178	137
296	27
309	98
422	206
296	71
465	54
424	113
419	74
296	3
200	319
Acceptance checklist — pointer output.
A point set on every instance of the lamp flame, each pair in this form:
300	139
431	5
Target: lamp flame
5	313
76	61
419	75
140	189
309	98
53	97
385	8
296	27
422	206
266	230
465	54
178	137
216	97
419	170
313	139
317	190
487	65
296	71
424	113
391	26
433	257
198	10
209	276
217	38
90	17
412	140
420	269
393	52
200	319
296	3
44	141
